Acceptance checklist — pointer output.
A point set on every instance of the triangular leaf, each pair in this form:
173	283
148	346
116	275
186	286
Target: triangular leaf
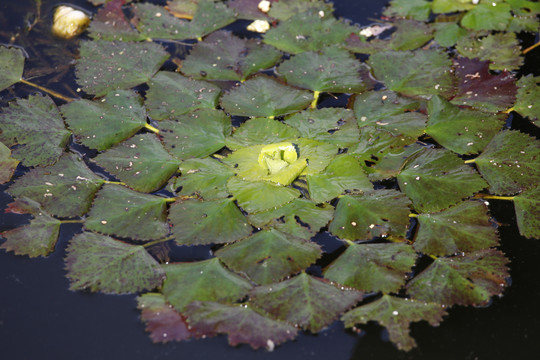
205	177
210	16
528	214
11	66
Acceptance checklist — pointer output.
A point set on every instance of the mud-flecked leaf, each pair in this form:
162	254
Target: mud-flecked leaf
301	218
248	9
308	31
528	213
462	228
396	315
205	177
480	89
305	301
269	255
35	125
331	69
241	323
391	164
284	9
109	65
206	280
448	33
373	106
446	6
117	208
263	96
100	263
196	134
421	73
171	94
7	164
501	49
162	322
261	131
471	279
207	222
410	9
257	196
463	131
11	66
436	179
510	162
155	22
487	16
37	238
102	124
374	213
332	125
223	56
528	98
65	189
141	162
110	23
373	267
344	173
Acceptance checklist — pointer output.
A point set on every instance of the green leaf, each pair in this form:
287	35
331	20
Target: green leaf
110	23
331	69
269	256
410	35
205	177
375	143
396	315
11	66
196	134
262	96
528	98
305	301
410	9
471	279
510	162
7	164
407	125
100	263
374	106
248	9
461	130
241	323
35	239
436	179
155	22
117	208
448	33
100	125
238	58
422	73
318	153
65	189
259	196
209	16
261	131
344	173
109	65
501	49
374	213
184	9
171	94
373	267
207	222
446	6
463	228
35	125
284	9
206	280
487	16
391	163
141	162
528	214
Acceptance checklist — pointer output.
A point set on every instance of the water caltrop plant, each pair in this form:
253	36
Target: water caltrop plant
239	148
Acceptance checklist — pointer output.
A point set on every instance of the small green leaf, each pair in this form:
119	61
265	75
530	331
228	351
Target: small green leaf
110	23
528	98
117	208
318	153
374	106
284	9
446	6
375	143
155	22
261	131
373	267
391	163
7	164
206	280
487	16
210	16
501	49
205	177
448	33
375	213
471	279
11	66
528	213
410	9
305	301
269	256
410	35
207	222
35	125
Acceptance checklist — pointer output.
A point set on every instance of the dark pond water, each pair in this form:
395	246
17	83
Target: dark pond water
41	319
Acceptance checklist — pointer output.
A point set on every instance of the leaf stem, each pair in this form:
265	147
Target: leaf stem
530	48
509	110
151	128
151	243
49	91
494	197
413	215
73	221
173	199
471	161
349	242
315	99
114	182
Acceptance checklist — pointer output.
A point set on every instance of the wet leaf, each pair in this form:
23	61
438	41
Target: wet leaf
269	256
375	106
101	263
207	222
396	315
501	49
261	131
117	208
284	9
183	9
238	58
196	134
205	177
510	162
390	164
446	6
305	301
241	323
257	196
409	125
471	279
141	162
463	228
528	98
528	214
262	96
171	94
7	164
410	9
11	66
247	9
486	16
410	35
206	280
35	125
209	17
65	189
525	16
318	153
100	125
155	22
110	23
448	33
436	179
